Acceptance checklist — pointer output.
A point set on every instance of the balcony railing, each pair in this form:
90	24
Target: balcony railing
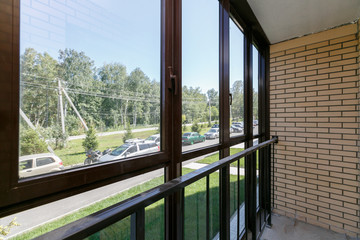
254	212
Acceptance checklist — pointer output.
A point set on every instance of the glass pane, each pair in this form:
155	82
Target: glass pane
59	213
214	218
195	210
255	90
120	230
236	80
200	73
242	195
89	80
154	221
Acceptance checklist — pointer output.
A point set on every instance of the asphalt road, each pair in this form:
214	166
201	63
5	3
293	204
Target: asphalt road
37	216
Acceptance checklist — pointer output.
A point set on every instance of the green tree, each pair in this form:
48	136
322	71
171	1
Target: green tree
195	127
60	137
30	142
128	134
90	141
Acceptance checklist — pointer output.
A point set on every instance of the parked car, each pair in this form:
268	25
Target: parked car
255	122
135	140
236	128
212	133
241	124
192	137
216	126
37	164
130	150
153	139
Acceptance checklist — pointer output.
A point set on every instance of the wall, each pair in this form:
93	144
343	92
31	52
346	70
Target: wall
314	91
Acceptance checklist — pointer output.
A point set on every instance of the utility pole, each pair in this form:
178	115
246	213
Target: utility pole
76	111
209	109
61	108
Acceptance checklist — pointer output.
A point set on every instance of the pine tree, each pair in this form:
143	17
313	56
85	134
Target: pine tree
90	141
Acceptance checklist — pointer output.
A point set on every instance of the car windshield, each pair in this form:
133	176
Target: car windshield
151	138
119	150
186	134
212	130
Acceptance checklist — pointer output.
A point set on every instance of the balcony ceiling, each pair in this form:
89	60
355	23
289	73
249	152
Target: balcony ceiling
286	19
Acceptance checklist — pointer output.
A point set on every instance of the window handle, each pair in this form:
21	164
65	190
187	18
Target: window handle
230	98
174	81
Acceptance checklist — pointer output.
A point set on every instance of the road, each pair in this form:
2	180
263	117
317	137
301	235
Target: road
50	212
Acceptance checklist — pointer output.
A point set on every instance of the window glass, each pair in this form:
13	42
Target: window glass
236	80
44	161
255	90
200	72
89	77
25	164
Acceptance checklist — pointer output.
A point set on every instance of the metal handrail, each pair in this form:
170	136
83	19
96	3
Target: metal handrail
97	221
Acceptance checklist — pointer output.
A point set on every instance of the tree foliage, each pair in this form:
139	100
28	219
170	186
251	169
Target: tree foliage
109	96
90	141
30	142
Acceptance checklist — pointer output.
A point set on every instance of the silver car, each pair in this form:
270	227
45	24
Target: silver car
129	150
212	133
36	164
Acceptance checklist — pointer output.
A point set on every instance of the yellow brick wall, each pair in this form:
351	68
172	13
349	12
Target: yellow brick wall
314	109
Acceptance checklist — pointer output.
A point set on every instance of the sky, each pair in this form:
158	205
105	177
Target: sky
128	32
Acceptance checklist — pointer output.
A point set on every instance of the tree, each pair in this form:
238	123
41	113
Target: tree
30	142
195	127
128	134
60	137
90	141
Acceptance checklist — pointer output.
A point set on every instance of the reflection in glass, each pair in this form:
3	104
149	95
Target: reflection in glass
255	90
236	80
87	67
200	72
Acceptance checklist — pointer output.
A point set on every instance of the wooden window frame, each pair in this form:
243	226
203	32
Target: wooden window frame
21	194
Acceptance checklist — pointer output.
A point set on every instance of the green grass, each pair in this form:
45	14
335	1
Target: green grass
195	211
215	157
74	152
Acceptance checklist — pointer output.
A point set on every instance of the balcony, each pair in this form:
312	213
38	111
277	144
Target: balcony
285	74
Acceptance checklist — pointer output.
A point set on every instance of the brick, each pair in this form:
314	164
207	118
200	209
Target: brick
295	50
329	59
305	53
306	63
329	48
285	57
316	56
343	39
317	66
343	62
343	51
317	45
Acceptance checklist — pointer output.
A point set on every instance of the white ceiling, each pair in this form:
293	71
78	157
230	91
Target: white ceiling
286	19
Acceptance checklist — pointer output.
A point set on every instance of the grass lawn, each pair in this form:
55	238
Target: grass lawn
74	153
215	157
195	211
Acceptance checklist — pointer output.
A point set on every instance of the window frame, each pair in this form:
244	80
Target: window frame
21	194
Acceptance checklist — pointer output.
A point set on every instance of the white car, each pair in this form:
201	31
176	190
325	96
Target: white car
153	139
36	164
212	133
129	150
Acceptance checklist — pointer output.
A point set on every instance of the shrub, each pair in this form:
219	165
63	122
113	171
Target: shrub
30	142
195	127
128	134
90	141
